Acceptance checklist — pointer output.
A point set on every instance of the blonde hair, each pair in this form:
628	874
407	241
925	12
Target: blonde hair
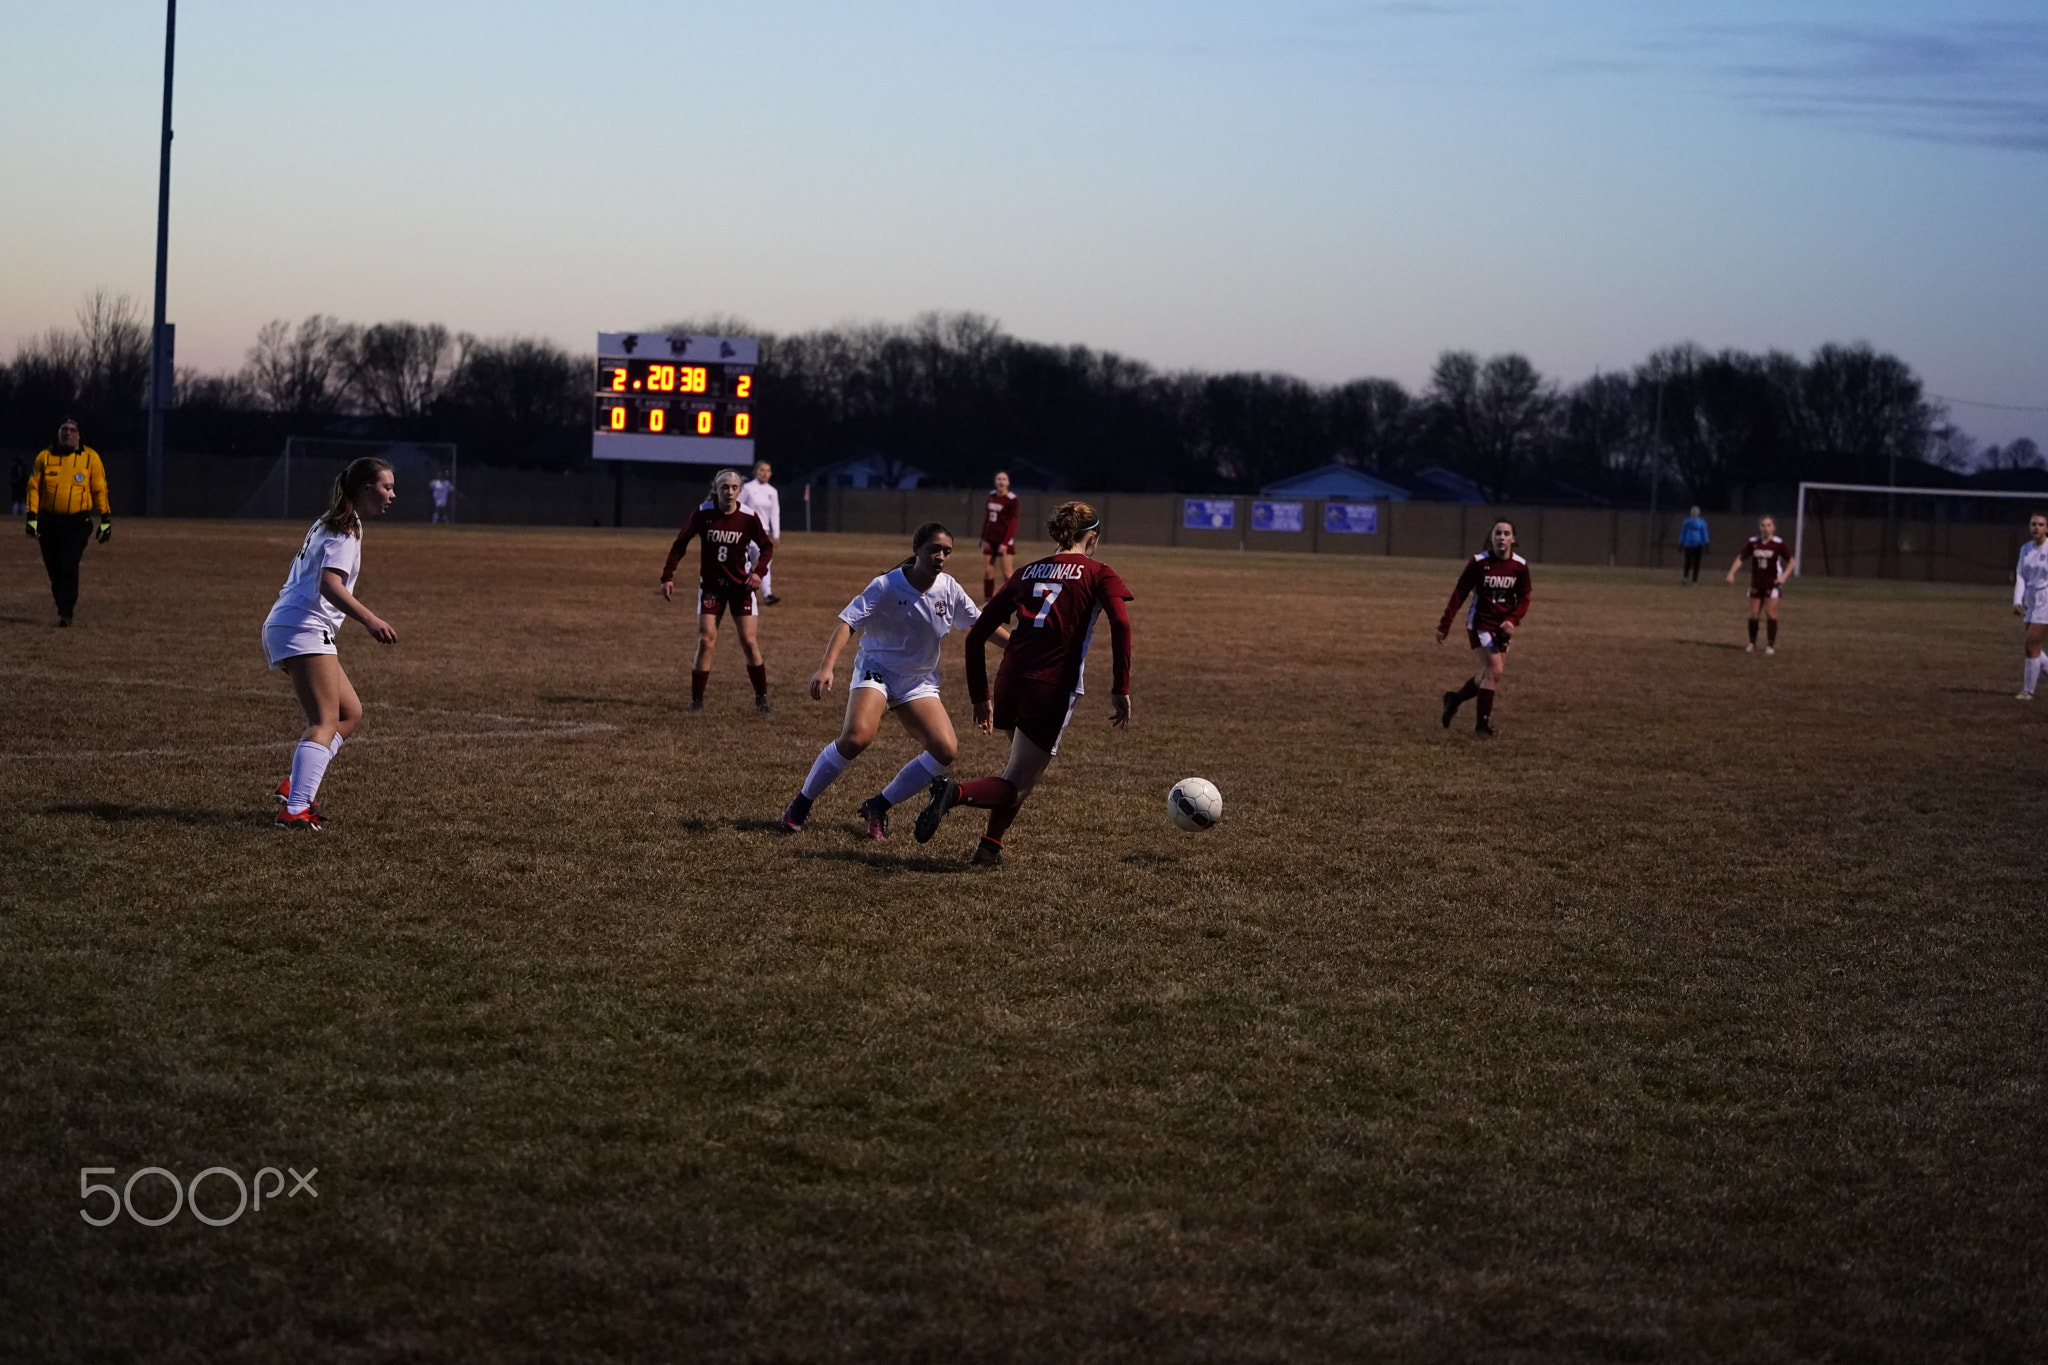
340	517
1070	521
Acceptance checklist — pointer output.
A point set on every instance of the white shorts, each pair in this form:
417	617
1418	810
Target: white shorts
289	640
2037	613
897	688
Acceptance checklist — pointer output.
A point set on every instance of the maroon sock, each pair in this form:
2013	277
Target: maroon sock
1752	630
698	677
999	823
1485	705
1771	635
990	793
757	674
988	586
1469	690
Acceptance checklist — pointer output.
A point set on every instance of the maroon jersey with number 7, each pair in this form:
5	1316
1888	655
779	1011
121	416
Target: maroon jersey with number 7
1055	601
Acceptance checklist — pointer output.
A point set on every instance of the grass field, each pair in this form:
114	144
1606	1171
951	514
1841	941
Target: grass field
1699	1016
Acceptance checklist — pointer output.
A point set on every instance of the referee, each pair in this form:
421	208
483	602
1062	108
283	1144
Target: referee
67	485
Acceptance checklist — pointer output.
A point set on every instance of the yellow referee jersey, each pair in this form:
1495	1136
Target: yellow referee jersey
65	482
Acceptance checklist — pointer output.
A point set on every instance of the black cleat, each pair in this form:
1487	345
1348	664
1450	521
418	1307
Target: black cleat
1452	701
945	795
64	620
795	813
875	811
987	853
761	706
770	600
696	703
1483	730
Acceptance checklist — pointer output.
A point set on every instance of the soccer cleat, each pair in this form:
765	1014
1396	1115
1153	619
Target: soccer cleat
770	600
945	794
761	706
283	793
987	853
1483	730
1770	649
875	811
307	819
2023	696
696	703
795	813
1751	649
1452	701
64	620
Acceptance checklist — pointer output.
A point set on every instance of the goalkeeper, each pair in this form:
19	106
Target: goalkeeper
66	486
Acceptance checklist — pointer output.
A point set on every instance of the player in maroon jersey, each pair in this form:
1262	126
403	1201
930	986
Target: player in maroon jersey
723	581
1055	601
1497	581
1770	564
998	535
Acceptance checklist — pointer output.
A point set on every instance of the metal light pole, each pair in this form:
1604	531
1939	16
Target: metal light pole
160	345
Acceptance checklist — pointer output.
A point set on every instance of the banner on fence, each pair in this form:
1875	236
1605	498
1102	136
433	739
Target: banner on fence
1276	516
1351	518
1209	514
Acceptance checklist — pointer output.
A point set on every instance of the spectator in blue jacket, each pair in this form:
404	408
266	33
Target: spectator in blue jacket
1692	538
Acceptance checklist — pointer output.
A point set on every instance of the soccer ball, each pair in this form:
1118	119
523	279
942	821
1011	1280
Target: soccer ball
1194	803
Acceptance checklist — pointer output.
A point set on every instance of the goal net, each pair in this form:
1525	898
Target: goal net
300	482
1866	530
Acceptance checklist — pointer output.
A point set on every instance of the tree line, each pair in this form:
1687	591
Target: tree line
953	396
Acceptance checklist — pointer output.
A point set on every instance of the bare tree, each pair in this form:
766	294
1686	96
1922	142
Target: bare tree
1492	418
115	349
2020	453
296	370
395	369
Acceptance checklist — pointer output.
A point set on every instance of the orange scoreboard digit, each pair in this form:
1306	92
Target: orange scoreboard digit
675	397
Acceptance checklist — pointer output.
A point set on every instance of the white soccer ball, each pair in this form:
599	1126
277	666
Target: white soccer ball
1194	803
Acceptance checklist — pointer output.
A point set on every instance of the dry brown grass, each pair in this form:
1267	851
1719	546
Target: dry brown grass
1698	1017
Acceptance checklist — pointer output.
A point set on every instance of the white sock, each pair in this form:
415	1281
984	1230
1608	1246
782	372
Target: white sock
2033	673
309	765
334	745
915	777
825	771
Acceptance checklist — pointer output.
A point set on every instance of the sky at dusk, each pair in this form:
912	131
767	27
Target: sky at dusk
1332	190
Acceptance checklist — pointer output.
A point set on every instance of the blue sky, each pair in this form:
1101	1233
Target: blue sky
1333	190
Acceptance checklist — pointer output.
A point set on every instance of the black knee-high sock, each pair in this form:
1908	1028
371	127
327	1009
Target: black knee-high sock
1771	635
1752	630
1485	706
1469	690
757	674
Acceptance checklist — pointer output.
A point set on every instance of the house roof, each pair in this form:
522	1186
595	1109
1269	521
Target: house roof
1337	481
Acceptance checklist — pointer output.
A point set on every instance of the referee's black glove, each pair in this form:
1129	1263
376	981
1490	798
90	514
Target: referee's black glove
106	529
31	528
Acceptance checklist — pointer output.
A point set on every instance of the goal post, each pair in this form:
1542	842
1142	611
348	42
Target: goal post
298	483
1892	491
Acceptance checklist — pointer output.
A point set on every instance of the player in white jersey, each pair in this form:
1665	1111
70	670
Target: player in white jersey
758	496
2030	599
443	488
903	617
298	635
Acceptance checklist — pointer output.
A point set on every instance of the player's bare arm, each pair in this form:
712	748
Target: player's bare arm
334	587
821	681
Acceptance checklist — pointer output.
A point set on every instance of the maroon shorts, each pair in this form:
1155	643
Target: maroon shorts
1500	639
1762	590
713	599
1037	710
1007	547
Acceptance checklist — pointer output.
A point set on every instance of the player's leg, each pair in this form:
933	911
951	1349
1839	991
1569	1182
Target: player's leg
1454	700
1771	632
864	707
926	719
711	607
988	573
1008	564
1492	665
1756	606
2036	634
325	697
750	641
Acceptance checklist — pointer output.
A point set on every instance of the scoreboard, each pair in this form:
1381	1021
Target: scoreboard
681	399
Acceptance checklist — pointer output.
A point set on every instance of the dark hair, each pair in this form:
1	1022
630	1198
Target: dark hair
1501	521
922	538
1070	521
340	517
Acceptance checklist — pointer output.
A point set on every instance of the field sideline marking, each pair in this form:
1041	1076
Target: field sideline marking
524	727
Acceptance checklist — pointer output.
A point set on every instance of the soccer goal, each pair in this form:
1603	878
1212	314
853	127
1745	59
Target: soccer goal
1986	536
299	483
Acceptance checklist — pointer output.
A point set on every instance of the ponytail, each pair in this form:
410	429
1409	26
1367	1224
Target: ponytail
1070	521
